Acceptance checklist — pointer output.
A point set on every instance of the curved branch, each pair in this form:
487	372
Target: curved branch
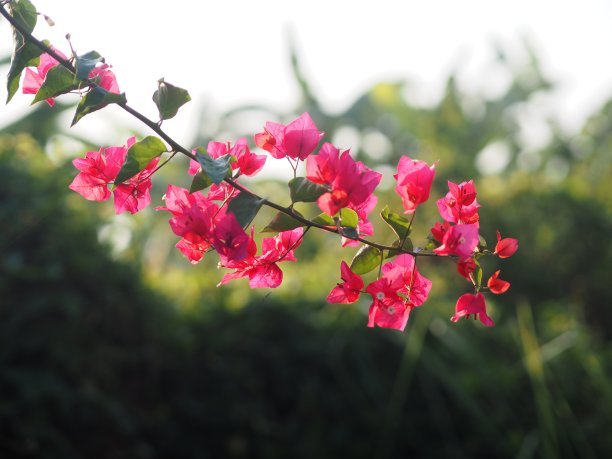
175	146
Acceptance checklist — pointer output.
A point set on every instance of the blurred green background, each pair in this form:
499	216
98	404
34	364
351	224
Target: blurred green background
113	346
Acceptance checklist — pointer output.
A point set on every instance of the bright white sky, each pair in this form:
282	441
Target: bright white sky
231	52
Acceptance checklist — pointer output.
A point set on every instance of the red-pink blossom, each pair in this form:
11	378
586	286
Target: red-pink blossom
263	270
230	240
351	184
469	304
134	194
414	179
459	240
388	309
505	247
99	169
347	291
466	268
406	279
193	218
459	205
107	78
496	285
34	79
296	140
193	248
400	277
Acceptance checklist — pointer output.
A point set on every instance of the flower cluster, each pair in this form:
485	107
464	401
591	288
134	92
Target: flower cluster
34	77
393	296
215	214
99	169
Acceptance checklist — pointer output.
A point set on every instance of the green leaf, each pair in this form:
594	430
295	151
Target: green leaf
96	99
59	80
303	190
86	63
482	243
245	207
139	156
169	99
324	219
398	223
477	275
348	232
349	218
200	181
365	260
25	54
282	222
215	169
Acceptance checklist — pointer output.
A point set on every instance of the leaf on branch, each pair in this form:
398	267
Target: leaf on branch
245	207
25	54
96	99
365	260
215	169
477	275
303	190
85	64
398	223
139	156
169	99
348	232
349	218
324	219
282	222
59	80
200	181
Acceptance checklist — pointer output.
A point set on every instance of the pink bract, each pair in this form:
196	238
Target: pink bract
349	290
414	179
506	247
496	285
296	140
459	205
459	240
469	304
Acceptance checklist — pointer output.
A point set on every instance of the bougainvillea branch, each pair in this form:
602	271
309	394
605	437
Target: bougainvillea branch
219	220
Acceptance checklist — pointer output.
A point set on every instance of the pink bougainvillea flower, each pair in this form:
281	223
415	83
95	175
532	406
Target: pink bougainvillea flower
459	205
414	179
459	240
400	277
406	279
97	170
351	184
496	285
106	77
505	247
388	309
230	240
33	79
347	291
263	271
439	230
193	248
134	194
469	304
193	218
296	140
466	268
248	163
